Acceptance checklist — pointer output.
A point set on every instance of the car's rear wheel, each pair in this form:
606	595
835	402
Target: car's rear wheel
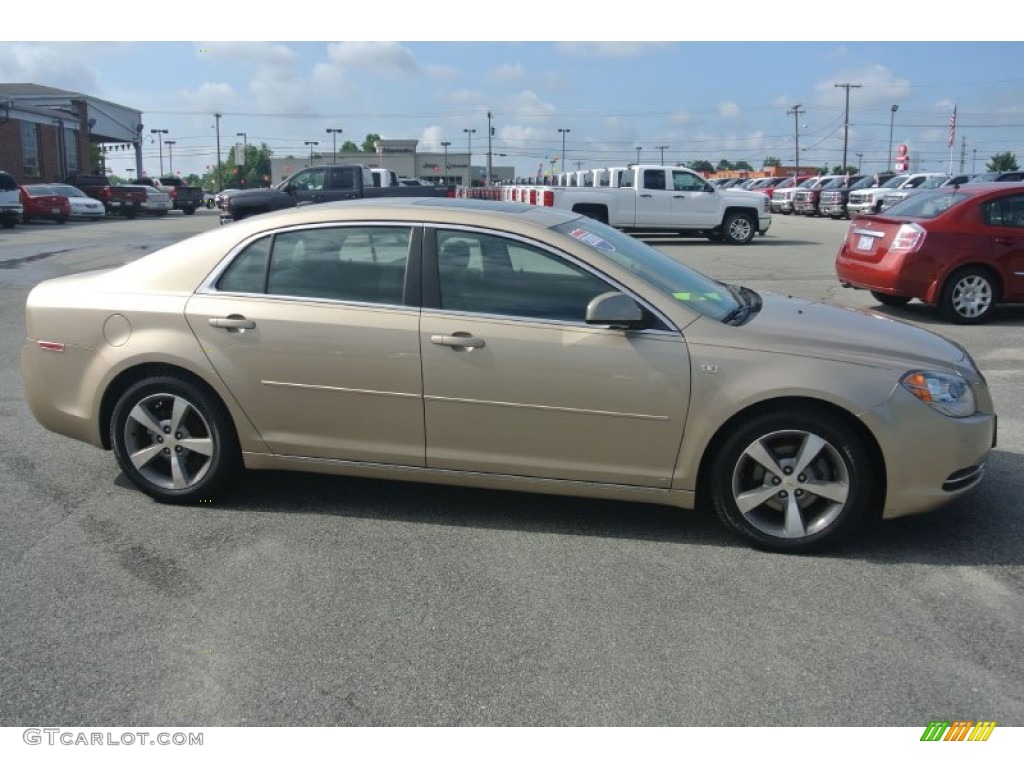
969	296
173	440
890	300
794	480
739	228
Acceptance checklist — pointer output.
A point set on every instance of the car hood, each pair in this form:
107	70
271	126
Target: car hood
810	328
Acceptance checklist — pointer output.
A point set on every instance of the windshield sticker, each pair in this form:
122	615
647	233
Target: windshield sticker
594	241
687	296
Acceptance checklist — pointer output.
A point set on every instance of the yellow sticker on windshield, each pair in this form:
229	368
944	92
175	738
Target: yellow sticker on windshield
687	296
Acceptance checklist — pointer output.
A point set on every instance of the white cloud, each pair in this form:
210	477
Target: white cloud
262	54
613	50
878	87
512	73
57	65
680	118
379	58
528	107
728	109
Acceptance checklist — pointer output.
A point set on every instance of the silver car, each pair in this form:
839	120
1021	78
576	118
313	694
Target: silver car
497	345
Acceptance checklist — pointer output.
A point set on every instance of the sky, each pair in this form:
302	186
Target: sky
681	100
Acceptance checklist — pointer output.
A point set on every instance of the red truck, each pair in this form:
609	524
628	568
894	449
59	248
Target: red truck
123	201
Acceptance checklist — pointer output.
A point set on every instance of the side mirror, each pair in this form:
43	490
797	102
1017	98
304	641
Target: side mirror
616	310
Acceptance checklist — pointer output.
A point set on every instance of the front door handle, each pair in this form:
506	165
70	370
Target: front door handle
232	323
457	340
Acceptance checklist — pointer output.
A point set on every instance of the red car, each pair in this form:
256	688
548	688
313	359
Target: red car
961	248
40	201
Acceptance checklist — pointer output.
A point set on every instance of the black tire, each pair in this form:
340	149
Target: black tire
739	228
130	213
890	300
189	211
969	296
715	237
173	440
763	466
62	220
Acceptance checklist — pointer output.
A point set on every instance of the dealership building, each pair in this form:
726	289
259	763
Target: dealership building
404	158
47	134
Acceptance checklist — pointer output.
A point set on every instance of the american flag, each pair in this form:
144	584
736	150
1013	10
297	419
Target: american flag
952	127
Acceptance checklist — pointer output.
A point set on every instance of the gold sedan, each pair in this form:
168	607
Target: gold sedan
497	345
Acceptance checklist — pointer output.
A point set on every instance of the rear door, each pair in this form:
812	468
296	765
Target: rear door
311	331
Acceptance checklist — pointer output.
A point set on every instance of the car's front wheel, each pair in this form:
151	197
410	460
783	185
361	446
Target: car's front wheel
795	480
173	439
739	228
969	296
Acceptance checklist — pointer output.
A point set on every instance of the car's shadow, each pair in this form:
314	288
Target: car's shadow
928	315
979	529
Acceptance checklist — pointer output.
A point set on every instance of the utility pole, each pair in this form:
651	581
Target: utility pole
795	111
490	134
662	148
963	152
446	144
220	180
846	121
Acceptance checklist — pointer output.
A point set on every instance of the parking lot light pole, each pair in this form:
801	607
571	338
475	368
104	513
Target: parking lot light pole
334	149
892	120
662	148
446	144
311	144
160	135
638	155
170	156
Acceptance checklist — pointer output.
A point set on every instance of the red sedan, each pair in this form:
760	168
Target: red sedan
40	201
961	248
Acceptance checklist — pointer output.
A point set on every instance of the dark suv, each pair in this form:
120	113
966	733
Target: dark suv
10	201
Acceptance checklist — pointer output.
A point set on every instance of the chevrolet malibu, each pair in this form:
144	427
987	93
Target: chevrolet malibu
503	346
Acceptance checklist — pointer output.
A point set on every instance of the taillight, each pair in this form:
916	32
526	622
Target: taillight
908	238
106	194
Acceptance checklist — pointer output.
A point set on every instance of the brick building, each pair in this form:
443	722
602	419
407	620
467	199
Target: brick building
47	134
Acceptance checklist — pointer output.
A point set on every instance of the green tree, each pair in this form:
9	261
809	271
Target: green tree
742	165
251	170
1004	161
350	146
702	166
368	144
771	162
724	165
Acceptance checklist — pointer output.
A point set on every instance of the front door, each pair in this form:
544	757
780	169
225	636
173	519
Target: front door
516	383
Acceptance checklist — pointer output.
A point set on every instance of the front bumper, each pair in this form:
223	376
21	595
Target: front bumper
930	459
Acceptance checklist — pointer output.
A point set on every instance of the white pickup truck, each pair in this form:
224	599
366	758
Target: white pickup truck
665	198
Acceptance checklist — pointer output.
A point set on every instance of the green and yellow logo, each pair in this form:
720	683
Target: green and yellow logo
958	730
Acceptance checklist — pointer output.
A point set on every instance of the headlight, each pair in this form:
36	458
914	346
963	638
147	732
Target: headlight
947	393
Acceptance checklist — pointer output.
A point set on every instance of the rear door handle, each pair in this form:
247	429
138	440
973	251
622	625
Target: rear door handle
458	341
232	323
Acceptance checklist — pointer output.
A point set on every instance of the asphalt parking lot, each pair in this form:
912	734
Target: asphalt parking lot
306	601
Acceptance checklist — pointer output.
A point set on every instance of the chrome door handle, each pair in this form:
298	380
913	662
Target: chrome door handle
232	323
456	340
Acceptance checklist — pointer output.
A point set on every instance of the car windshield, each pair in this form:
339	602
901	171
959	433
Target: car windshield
927	205
836	183
809	183
932	182
895	182
687	286
38	191
68	191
